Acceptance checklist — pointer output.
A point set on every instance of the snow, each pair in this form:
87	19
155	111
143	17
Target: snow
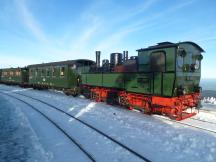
206	116
209	103
156	139
56	146
210	100
17	138
85	110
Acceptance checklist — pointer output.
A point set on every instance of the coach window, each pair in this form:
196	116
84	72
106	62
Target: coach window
158	61
36	72
5	74
48	72
17	73
43	72
11	73
31	72
62	71
53	71
39	72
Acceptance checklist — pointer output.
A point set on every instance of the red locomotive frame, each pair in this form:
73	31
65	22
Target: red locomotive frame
175	107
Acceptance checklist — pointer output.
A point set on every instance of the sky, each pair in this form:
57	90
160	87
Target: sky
36	31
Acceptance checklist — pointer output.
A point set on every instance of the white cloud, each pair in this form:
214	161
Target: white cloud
8	60
95	24
30	22
86	35
143	23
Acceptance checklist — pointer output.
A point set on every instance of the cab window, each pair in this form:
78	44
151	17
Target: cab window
157	61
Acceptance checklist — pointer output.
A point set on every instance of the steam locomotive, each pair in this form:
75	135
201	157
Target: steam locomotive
162	79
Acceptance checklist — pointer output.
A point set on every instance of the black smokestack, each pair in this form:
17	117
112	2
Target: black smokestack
126	55
98	58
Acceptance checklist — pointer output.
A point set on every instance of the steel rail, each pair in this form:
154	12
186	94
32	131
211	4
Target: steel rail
56	125
90	126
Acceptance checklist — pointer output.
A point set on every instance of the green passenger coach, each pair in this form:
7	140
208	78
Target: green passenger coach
64	75
14	76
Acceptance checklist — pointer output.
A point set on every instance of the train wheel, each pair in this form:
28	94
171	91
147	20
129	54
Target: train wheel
122	101
74	94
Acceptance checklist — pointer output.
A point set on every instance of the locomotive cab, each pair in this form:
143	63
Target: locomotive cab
172	64
174	70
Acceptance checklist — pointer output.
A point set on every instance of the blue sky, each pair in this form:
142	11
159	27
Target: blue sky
36	31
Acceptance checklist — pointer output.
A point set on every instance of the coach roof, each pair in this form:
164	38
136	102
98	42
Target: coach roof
62	63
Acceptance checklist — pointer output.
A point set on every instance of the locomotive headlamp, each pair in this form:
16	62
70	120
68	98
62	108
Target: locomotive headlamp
182	52
197	64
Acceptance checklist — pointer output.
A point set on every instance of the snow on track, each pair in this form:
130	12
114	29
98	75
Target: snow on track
18	140
57	147
120	154
157	139
193	123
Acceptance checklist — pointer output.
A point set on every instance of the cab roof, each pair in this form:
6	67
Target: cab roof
170	44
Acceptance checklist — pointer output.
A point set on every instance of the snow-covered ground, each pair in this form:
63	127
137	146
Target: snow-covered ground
209	103
18	141
154	138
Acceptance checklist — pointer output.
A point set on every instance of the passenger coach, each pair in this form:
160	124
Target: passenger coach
63	75
14	76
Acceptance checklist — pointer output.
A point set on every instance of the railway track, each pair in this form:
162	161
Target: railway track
180	122
57	126
84	123
207	111
185	122
204	121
